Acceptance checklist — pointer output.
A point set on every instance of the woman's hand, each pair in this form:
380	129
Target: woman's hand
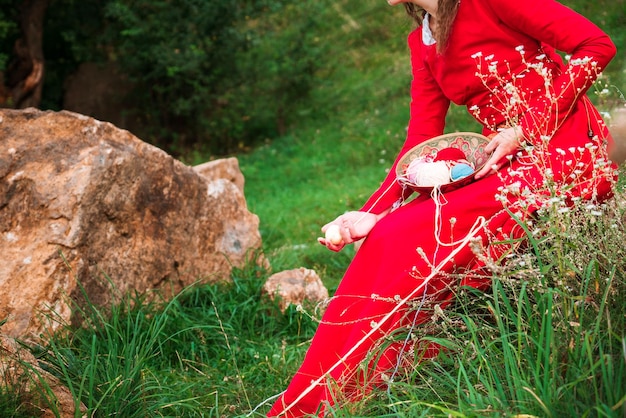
505	143
352	227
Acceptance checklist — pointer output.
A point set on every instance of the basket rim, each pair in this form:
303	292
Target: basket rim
410	152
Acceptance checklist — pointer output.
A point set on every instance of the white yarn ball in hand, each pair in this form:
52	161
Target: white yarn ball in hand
428	174
333	235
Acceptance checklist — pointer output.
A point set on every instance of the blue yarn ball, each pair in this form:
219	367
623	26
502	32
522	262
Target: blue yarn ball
460	171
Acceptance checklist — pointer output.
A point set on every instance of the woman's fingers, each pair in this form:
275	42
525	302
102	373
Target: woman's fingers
346	229
503	145
329	245
491	166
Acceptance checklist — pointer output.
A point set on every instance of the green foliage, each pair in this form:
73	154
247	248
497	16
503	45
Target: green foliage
8	30
180	55
13	403
212	78
609	15
280	60
72	29
208	76
178	358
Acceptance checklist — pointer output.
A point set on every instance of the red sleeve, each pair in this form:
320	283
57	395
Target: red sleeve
428	114
563	29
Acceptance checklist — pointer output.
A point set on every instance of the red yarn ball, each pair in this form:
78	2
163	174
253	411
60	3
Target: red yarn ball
450	154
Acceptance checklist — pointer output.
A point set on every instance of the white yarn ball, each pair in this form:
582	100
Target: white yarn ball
414	168
333	235
428	174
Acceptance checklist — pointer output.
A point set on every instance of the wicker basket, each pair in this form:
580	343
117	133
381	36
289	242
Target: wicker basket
472	145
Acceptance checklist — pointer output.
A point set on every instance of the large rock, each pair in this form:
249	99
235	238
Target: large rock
84	202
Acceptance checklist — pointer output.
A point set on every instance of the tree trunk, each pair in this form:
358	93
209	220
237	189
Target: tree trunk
24	75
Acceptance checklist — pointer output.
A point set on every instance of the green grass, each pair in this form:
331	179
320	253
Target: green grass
546	340
212	350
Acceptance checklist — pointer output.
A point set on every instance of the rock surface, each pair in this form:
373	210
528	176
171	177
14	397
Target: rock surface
20	372
82	201
225	168
298	287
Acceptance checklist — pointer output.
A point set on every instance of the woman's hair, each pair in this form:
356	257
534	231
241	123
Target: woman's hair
446	12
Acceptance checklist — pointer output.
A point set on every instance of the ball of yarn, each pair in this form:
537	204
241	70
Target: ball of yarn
450	154
414	169
333	235
428	173
460	170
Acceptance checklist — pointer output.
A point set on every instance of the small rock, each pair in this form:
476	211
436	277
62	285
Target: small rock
298	287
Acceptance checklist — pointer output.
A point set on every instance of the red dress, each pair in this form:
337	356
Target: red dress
497	61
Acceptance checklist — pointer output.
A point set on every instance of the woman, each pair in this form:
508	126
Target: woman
498	58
